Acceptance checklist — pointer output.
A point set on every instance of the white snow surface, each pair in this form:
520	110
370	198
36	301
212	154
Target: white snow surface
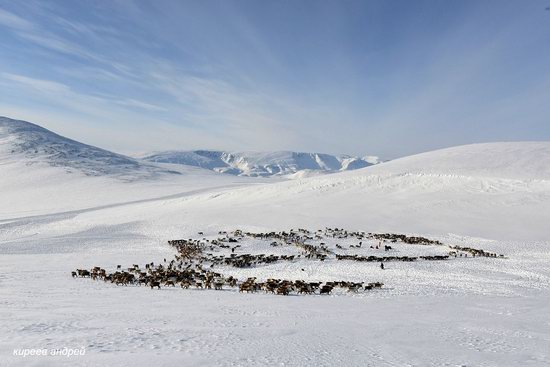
263	164
461	312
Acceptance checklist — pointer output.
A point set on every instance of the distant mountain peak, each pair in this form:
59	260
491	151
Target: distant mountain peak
262	164
36	144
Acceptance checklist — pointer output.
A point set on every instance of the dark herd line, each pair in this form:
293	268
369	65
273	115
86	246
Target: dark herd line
194	262
199	278
389	258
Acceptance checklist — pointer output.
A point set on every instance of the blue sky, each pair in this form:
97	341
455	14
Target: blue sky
388	78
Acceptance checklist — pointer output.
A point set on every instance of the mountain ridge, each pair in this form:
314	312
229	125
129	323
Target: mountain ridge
35	144
262	164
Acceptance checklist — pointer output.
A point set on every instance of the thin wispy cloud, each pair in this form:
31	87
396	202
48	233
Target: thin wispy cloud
45	86
389	78
11	20
64	95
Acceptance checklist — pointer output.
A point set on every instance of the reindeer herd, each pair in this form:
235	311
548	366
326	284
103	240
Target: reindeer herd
197	261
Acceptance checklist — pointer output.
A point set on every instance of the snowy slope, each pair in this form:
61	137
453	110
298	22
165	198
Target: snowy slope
265	164
502	193
24	141
42	172
496	190
499	190
514	160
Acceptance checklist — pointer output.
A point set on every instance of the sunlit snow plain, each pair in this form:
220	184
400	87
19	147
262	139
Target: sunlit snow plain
459	312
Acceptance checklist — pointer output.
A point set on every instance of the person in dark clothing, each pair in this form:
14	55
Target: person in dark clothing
382	266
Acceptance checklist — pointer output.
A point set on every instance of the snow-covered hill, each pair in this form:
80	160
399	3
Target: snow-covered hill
514	160
42	172
496	190
24	141
264	164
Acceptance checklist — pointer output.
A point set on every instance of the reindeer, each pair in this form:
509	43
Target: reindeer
326	289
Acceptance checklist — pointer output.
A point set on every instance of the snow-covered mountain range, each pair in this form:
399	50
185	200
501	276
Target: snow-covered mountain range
263	164
35	144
